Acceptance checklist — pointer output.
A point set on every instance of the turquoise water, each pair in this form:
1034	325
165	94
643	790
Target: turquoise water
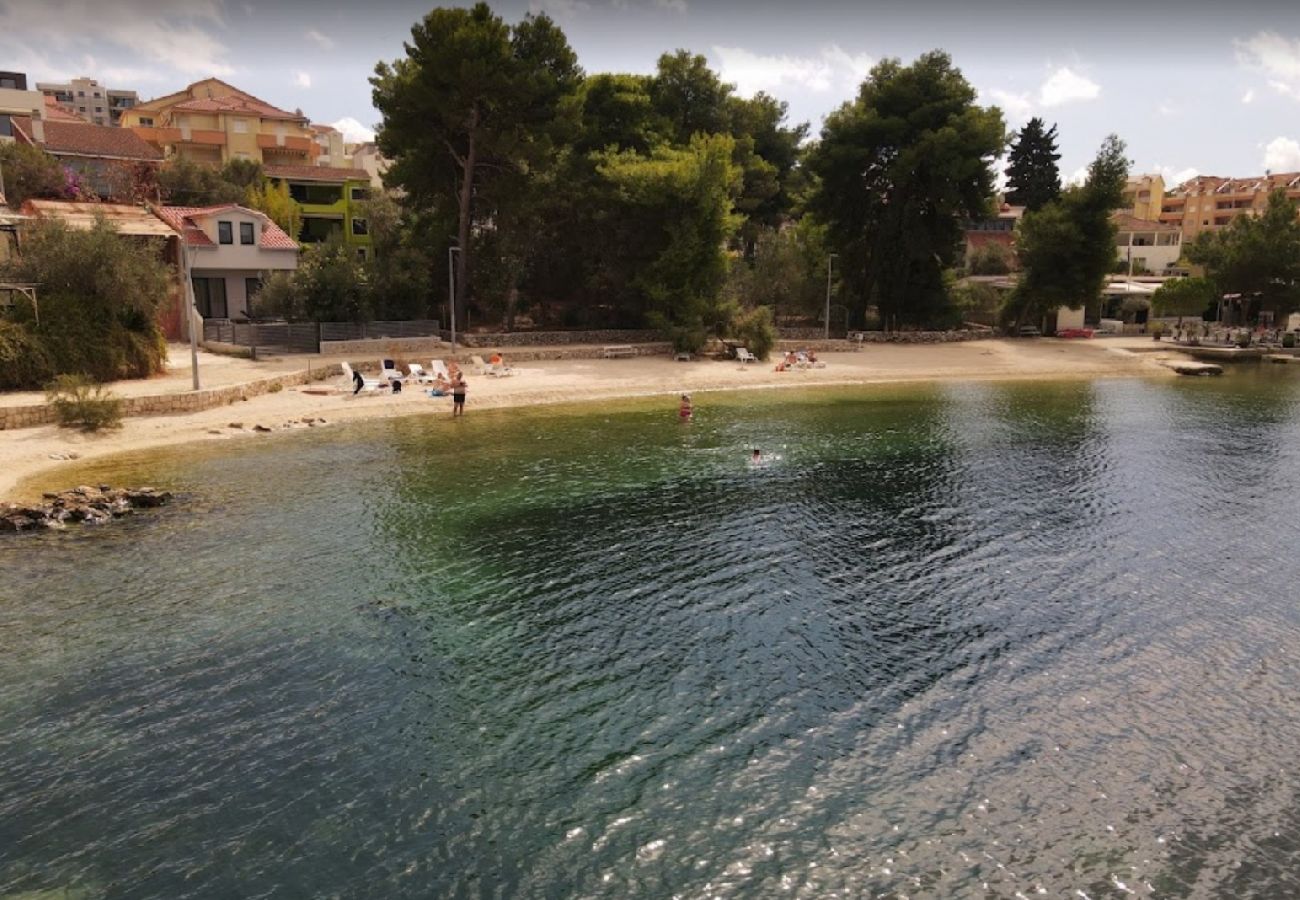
964	640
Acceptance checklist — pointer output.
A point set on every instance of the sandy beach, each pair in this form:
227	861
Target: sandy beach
34	457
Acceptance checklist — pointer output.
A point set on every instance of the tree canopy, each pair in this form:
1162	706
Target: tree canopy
1184	297
1033	179
901	168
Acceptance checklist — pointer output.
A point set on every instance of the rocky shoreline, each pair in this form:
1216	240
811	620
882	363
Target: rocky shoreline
84	505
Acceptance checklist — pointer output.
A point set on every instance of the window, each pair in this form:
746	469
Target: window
210	297
360	227
146	122
9	83
81	93
98	95
242	154
6	127
241	126
225	233
252	287
246	235
81	109
360	193
99	109
362	255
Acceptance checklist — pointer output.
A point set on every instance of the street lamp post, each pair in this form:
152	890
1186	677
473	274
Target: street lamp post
191	309
451	289
830	258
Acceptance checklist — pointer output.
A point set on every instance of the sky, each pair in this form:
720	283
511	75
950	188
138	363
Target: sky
1192	87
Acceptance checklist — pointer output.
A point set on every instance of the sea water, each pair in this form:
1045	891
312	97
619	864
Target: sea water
968	640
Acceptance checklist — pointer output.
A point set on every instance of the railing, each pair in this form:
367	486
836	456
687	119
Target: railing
359	331
306	337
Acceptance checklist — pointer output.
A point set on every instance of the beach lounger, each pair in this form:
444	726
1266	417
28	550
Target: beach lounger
368	385
438	369
480	365
419	375
389	372
745	356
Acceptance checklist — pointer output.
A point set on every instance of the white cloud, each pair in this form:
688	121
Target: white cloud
1077	177
302	79
1067	86
1249	96
175	37
1282	155
353	131
1018	107
1277	57
559	9
1174	176
752	72
320	40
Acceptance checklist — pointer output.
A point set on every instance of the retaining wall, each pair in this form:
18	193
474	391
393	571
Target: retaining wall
171	404
557	338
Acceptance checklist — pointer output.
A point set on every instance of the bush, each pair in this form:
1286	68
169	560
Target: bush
24	361
80	403
756	331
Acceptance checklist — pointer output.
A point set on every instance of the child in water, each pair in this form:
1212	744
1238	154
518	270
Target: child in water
685	412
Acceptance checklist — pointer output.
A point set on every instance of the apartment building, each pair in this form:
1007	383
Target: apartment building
1146	246
89	100
213	122
331	200
111	162
17	100
1144	196
1209	202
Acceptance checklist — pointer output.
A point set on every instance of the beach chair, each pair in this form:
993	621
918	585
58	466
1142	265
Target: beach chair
745	356
388	371
368	385
438	369
419	375
481	367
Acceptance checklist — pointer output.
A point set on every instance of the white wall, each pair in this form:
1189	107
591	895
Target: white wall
237	255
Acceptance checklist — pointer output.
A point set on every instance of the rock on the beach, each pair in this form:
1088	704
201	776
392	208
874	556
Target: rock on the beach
85	504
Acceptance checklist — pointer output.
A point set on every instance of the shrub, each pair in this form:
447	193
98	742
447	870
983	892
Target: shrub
80	403
756	330
24	361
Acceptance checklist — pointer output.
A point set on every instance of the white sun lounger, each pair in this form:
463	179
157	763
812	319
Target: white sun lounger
745	356
438	369
418	373
368	385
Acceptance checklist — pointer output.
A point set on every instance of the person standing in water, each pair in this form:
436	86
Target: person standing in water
685	412
458	387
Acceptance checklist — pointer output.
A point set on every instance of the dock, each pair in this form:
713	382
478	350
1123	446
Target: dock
1222	354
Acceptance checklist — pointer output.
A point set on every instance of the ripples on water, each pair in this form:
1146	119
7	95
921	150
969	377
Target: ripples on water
972	641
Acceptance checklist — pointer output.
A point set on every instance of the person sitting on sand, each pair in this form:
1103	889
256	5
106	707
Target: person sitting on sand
496	359
685	412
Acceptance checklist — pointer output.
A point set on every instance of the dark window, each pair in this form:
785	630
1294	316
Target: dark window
318	194
99	109
360	193
210	297
225	233
246	233
6	127
362	256
9	83
252	287
81	109
360	227
81	93
146	121
314	230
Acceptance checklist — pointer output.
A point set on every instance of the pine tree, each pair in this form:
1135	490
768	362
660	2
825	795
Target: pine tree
1033	179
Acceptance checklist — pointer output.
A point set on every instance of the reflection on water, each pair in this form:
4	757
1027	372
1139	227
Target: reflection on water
972	640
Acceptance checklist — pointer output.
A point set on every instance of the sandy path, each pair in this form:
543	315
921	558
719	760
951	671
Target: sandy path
30	458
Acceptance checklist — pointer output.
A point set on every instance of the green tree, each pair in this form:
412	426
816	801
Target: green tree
472	98
690	96
991	259
1256	255
184	182
30	173
101	294
900	168
683	198
243	173
1184	297
273	199
331	283
1033	179
1067	248
787	272
618	112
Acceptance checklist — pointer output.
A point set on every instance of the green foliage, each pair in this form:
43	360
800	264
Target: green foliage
991	259
684	196
1067	248
30	173
332	283
1033	179
900	168
184	182
787	271
24	361
80	403
100	299
279	298
243	173
272	198
690	96
976	301
1256	255
754	328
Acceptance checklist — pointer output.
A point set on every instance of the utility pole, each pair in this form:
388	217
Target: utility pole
191	308
830	258
451	290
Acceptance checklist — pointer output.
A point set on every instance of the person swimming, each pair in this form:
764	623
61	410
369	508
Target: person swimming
685	412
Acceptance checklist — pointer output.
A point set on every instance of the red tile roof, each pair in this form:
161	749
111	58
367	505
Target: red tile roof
237	105
84	139
333	174
182	219
56	113
1126	222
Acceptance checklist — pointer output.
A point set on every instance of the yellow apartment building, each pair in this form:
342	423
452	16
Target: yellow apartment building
211	121
1144	196
1208	202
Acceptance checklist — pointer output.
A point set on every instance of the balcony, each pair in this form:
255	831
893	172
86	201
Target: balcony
159	137
287	143
204	137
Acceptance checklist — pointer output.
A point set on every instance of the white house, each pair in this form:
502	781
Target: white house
1147	247
231	248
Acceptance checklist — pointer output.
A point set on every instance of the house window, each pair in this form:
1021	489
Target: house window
81	109
246	233
360	193
146	122
360	227
210	297
99	109
241	126
6	127
225	233
252	287
81	93
362	255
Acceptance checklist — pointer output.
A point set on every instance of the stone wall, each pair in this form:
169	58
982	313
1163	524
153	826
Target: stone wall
380	347
557	338
170	404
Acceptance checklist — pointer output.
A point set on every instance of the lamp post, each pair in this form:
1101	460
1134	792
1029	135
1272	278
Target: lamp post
451	289
191	308
830	259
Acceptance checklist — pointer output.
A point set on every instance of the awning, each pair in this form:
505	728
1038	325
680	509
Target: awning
133	220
